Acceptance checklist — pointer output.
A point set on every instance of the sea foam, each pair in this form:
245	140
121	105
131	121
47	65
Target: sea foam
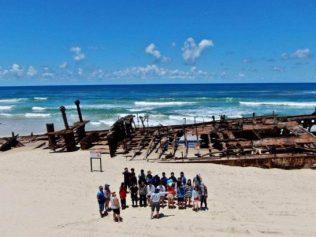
161	104
37	108
280	103
13	100
6	107
36	115
40	98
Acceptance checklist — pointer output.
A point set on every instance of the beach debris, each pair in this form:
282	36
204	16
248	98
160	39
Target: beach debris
7	143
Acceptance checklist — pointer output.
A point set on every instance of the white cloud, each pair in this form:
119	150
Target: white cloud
31	71
299	54
241	75
278	69
80	71
47	73
64	65
302	53
191	51
3	72
78	55
16	70
152	50
153	71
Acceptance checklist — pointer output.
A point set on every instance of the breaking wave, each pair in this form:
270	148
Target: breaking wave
6	107
40	98
161	104
36	108
13	100
36	115
284	103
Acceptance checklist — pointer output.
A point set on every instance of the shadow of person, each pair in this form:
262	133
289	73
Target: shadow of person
161	215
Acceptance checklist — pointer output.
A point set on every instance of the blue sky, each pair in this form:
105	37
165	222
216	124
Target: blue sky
161	41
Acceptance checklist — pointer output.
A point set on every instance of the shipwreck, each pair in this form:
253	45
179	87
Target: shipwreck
269	141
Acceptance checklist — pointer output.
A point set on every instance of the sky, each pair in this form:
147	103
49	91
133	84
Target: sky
156	41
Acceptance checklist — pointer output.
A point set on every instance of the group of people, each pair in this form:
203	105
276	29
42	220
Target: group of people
148	189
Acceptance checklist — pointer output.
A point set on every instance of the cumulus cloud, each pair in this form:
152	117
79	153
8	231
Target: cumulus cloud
78	55
31	71
64	65
299	54
3	72
152	50
302	53
16	70
192	51
47	73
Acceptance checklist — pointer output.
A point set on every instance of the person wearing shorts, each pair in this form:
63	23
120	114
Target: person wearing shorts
155	202
115	206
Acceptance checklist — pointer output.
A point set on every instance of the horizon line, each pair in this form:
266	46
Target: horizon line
148	84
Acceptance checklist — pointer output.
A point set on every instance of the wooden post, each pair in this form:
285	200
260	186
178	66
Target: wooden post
51	137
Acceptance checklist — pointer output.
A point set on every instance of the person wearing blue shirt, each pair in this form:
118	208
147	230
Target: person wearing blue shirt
101	201
183	178
164	179
180	195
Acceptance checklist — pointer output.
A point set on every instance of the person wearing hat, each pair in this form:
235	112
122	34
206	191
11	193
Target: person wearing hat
101	202
155	202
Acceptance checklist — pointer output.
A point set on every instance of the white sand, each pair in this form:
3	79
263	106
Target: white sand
45	194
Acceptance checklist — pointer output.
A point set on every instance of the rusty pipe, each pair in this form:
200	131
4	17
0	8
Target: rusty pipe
77	103
63	113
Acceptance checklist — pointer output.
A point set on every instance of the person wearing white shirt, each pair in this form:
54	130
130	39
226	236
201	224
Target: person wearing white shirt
150	190
155	202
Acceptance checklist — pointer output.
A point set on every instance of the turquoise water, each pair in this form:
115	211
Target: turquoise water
27	109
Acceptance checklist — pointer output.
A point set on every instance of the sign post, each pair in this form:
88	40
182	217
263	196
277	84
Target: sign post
95	155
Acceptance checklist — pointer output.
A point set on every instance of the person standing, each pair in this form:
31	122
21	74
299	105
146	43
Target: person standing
107	194
155	202
149	177
150	190
133	178
180	195
164	179
142	177
122	193
142	194
134	196
101	202
188	193
196	198
183	179
203	194
115	206
126	175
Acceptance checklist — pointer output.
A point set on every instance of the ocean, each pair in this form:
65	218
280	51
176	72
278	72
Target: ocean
27	109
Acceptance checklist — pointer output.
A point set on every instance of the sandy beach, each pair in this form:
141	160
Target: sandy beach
54	194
